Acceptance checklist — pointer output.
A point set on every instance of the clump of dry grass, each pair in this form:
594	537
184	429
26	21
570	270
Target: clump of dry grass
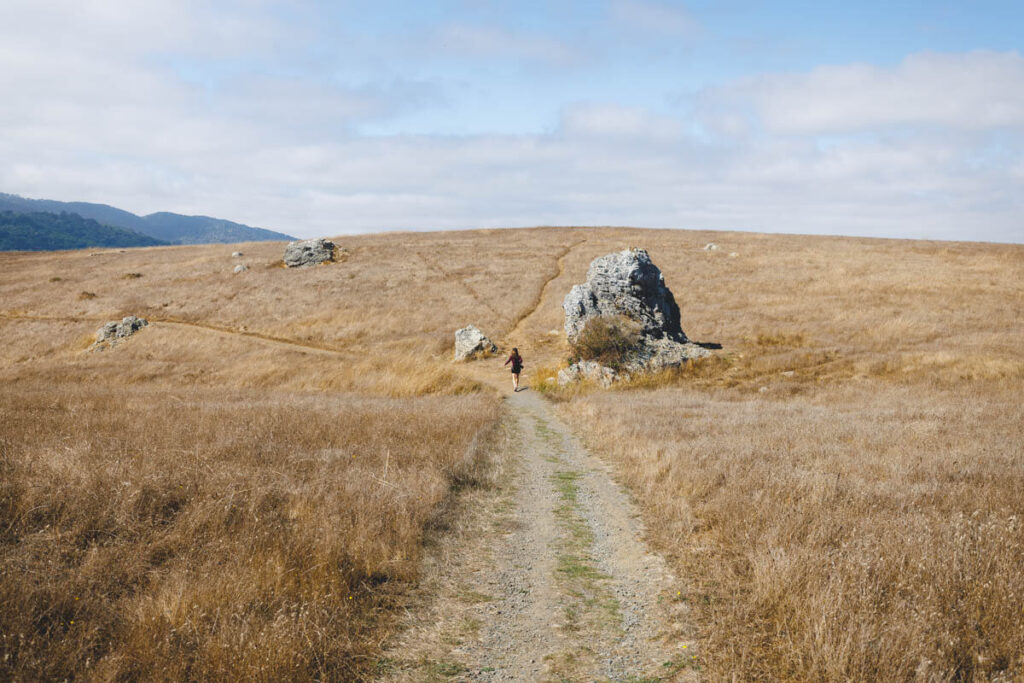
607	340
168	534
857	533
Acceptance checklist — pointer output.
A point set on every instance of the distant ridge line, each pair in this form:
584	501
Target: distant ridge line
172	228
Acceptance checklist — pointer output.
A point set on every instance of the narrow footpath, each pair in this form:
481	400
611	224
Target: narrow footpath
546	578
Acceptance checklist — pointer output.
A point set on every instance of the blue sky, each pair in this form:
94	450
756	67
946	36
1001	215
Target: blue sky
324	118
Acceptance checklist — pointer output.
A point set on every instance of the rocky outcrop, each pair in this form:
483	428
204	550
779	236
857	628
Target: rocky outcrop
469	341
625	283
114	332
628	284
308	253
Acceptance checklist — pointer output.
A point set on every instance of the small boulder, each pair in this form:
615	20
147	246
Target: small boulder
470	341
236	254
114	331
710	246
308	253
241	268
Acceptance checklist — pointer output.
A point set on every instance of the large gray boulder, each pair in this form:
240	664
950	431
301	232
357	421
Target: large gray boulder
114	331
308	253
470	341
625	283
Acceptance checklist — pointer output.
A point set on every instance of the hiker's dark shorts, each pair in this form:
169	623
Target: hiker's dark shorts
516	369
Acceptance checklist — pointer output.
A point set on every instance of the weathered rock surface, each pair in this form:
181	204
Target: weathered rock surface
659	354
628	284
308	253
115	331
470	341
588	370
241	268
624	283
236	254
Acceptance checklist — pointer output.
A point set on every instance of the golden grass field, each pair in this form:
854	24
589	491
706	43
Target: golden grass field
241	491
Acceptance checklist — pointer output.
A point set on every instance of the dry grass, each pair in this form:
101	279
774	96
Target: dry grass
854	533
163	534
842	482
607	340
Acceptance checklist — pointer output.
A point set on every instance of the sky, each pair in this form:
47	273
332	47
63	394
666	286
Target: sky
887	119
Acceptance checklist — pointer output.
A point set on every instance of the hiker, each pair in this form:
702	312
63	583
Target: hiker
517	366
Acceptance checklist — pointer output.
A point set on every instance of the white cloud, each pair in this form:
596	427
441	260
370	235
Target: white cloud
498	42
976	90
615	121
654	18
95	108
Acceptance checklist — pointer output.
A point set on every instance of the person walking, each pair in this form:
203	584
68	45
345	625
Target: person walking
517	366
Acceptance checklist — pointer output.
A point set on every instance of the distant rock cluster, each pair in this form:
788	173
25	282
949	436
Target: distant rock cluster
114	332
628	284
469	341
308	253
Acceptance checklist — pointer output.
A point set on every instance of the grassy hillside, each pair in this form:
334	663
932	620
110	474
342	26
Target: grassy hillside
50	231
841	486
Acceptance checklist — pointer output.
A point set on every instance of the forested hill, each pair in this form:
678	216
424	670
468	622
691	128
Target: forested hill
171	228
41	231
178	229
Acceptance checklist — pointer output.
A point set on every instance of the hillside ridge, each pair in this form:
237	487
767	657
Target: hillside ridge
163	226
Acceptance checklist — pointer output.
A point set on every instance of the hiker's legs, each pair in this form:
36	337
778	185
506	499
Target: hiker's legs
515	381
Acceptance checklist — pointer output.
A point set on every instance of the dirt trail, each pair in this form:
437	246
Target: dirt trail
550	580
266	338
559	269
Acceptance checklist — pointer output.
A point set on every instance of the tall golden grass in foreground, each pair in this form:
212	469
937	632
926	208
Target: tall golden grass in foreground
858	533
158	533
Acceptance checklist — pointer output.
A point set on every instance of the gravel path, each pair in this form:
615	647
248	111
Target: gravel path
549	579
